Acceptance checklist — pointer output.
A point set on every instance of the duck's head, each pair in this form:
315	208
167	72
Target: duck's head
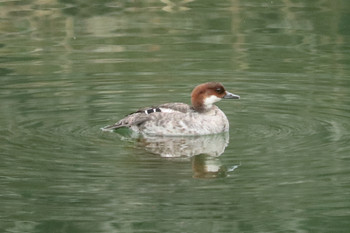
205	95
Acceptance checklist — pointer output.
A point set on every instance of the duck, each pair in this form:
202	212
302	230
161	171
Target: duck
202	117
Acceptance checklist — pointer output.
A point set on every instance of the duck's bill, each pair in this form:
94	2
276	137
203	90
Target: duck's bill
230	96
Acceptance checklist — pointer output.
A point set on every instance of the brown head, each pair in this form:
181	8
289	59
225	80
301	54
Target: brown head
205	95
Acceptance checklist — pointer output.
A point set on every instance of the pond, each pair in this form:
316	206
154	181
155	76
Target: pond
68	68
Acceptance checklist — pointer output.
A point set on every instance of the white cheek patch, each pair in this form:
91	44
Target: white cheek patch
211	99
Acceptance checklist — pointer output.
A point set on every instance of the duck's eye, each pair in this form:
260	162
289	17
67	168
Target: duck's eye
219	90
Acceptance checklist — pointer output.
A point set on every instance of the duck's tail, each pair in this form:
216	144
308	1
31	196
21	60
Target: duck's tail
112	127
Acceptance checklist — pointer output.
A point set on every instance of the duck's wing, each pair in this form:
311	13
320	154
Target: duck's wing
180	107
144	114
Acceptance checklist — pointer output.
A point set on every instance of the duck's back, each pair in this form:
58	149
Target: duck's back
136	119
174	119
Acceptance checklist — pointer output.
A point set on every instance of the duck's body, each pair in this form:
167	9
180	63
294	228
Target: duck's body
178	119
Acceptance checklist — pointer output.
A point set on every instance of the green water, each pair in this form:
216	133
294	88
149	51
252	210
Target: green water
68	68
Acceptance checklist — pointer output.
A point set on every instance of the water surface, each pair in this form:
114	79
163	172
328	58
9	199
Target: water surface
68	68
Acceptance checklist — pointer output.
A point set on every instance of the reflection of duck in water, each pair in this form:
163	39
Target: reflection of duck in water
204	151
204	166
175	147
179	119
